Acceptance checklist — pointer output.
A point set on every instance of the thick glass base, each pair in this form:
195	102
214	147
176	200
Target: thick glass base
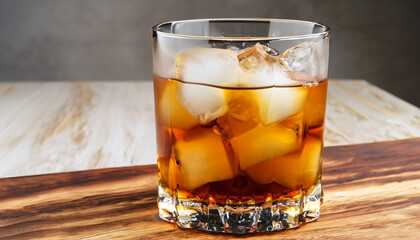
239	219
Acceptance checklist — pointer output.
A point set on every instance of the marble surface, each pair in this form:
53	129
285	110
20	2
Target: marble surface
48	127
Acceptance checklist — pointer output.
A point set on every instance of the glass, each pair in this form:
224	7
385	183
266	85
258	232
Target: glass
240	107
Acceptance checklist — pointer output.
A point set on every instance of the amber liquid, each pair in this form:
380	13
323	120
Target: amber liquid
242	156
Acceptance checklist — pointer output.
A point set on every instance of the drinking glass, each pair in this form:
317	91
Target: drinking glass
240	107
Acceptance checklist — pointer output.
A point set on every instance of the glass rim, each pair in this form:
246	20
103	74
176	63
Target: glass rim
324	33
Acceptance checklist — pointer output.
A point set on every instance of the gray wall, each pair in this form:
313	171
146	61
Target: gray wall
111	40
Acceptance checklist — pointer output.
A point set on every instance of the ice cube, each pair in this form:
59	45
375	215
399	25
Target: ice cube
293	171
209	66
308	57
262	143
204	103
170	112
203	158
258	68
302	168
262	173
231	127
279	103
242	105
301	58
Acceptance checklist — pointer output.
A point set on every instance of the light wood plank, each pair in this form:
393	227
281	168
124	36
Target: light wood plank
359	112
55	127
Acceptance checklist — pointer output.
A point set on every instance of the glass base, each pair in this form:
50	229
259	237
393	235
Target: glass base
239	219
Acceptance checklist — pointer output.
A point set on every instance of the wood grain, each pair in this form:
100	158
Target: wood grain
371	191
48	127
359	112
70	126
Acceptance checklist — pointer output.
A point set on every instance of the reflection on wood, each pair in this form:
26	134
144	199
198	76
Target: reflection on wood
371	191
56	127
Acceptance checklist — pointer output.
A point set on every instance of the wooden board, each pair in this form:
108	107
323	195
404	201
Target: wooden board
49	127
372	191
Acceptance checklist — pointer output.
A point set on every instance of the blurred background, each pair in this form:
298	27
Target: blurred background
81	40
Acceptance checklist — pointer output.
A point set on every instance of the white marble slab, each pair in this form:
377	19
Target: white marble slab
54	126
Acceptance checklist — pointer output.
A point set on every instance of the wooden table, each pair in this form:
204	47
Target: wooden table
372	190
66	126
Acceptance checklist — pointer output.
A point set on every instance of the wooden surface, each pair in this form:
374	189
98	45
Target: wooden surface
372	191
67	126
